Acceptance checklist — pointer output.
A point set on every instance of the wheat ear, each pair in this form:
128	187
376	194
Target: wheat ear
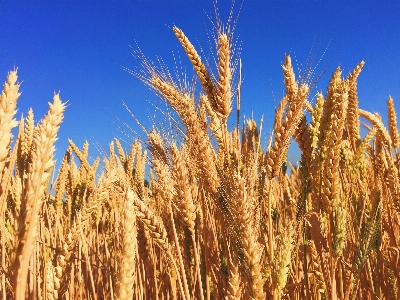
42	161
224	81
248	248
315	121
183	188
352	120
284	242
393	131
8	103
289	78
276	154
125	277
377	122
199	67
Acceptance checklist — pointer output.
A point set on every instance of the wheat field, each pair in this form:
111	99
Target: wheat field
219	215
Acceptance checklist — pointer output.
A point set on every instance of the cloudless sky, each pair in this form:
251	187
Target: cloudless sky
78	47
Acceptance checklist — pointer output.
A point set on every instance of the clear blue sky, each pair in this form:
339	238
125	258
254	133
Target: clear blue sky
76	47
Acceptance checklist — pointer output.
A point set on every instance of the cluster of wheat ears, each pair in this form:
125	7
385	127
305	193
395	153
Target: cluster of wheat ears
220	216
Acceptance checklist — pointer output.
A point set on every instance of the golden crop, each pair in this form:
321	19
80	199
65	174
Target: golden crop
220	218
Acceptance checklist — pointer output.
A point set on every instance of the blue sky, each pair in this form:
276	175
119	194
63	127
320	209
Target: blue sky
77	47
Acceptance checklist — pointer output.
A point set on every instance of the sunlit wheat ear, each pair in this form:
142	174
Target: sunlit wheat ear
248	247
352	119
289	78
80	155
325	164
127	259
24	158
121	151
215	124
196	133
315	121
393	131
224	73
198	65
131	157
302	137
183	188
331	188
377	122
359	161
283	133
8	104
42	161
157	146
61	179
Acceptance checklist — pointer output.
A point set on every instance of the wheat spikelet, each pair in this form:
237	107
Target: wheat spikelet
64	263
8	103
334	89
168	91
233	289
